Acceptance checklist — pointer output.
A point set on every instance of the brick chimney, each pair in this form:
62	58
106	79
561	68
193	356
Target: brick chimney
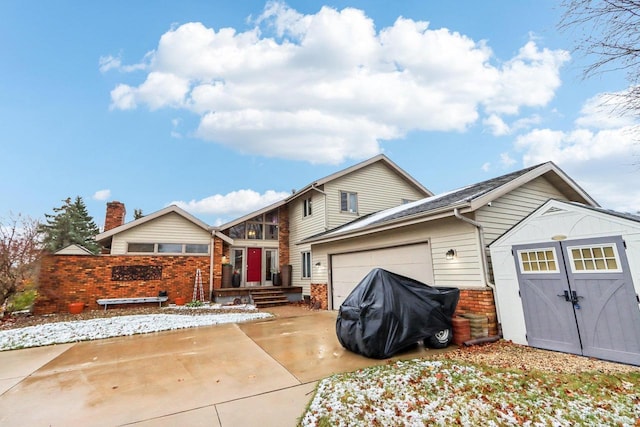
115	215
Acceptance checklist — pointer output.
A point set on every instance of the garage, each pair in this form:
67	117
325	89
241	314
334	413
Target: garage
348	269
567	280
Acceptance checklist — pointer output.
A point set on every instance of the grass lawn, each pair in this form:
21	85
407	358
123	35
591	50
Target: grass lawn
449	392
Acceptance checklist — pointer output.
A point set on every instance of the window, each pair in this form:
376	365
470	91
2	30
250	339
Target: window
348	202
196	249
254	231
140	247
538	261
237	231
169	248
601	258
260	227
306	265
306	208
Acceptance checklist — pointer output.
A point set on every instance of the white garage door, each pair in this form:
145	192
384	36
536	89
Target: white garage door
347	270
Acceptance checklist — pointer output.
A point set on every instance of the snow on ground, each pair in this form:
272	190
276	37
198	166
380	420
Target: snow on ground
443	393
93	329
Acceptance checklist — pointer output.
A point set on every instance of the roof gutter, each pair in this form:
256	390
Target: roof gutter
483	251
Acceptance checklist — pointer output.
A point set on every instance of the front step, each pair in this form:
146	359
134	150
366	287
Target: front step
268	298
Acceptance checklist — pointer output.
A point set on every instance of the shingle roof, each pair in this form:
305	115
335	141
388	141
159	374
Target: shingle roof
624	215
451	199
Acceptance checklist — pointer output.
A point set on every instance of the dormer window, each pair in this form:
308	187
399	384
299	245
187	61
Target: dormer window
348	202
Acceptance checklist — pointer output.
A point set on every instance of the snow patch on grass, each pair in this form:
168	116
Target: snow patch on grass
93	329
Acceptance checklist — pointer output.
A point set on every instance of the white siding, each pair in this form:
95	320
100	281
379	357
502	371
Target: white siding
378	188
300	228
464	271
508	210
169	228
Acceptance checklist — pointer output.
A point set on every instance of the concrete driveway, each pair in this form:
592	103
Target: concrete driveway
260	373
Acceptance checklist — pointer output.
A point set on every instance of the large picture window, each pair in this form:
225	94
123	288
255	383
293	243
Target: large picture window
260	227
306	265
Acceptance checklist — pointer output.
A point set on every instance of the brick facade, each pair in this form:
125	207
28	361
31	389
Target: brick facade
479	301
77	278
283	235
319	296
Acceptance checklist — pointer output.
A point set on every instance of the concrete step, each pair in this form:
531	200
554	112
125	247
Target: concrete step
268	298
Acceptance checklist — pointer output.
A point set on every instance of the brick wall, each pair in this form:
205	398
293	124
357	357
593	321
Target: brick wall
77	278
219	250
319	296
283	235
479	301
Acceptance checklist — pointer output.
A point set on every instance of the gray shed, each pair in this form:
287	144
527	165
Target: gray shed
568	278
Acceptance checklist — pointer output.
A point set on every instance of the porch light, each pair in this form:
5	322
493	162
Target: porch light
318	264
451	254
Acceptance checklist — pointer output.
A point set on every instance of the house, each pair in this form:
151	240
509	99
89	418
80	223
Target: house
162	251
440	240
267	239
570	277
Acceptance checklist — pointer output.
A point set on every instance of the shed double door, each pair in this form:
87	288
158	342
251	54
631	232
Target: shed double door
578	297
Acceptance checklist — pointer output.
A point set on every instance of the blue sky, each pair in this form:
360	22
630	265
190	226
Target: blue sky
223	107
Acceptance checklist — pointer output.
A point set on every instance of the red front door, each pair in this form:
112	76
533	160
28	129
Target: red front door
254	263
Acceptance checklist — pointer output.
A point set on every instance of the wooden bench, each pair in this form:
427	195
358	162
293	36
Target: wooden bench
136	300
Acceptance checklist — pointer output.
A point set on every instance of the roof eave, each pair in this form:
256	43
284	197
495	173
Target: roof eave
431	215
137	222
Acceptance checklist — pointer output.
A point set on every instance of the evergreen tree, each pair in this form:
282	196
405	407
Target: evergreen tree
69	224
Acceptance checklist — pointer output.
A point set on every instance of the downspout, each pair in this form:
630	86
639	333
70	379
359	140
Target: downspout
485	263
326	213
211	250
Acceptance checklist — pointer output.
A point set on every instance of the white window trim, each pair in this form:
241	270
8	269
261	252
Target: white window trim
302	257
349	208
555	259
307	207
601	246
156	253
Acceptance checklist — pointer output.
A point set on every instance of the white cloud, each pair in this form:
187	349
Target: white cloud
110	62
496	125
605	163
233	204
328	86
101	194
506	160
486	167
605	111
530	79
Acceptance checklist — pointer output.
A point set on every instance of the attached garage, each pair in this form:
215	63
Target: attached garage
568	279
347	269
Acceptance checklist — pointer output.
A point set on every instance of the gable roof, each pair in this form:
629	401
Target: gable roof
553	206
135	223
322	181
466	199
73	249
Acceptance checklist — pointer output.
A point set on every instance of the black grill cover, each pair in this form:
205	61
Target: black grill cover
388	312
